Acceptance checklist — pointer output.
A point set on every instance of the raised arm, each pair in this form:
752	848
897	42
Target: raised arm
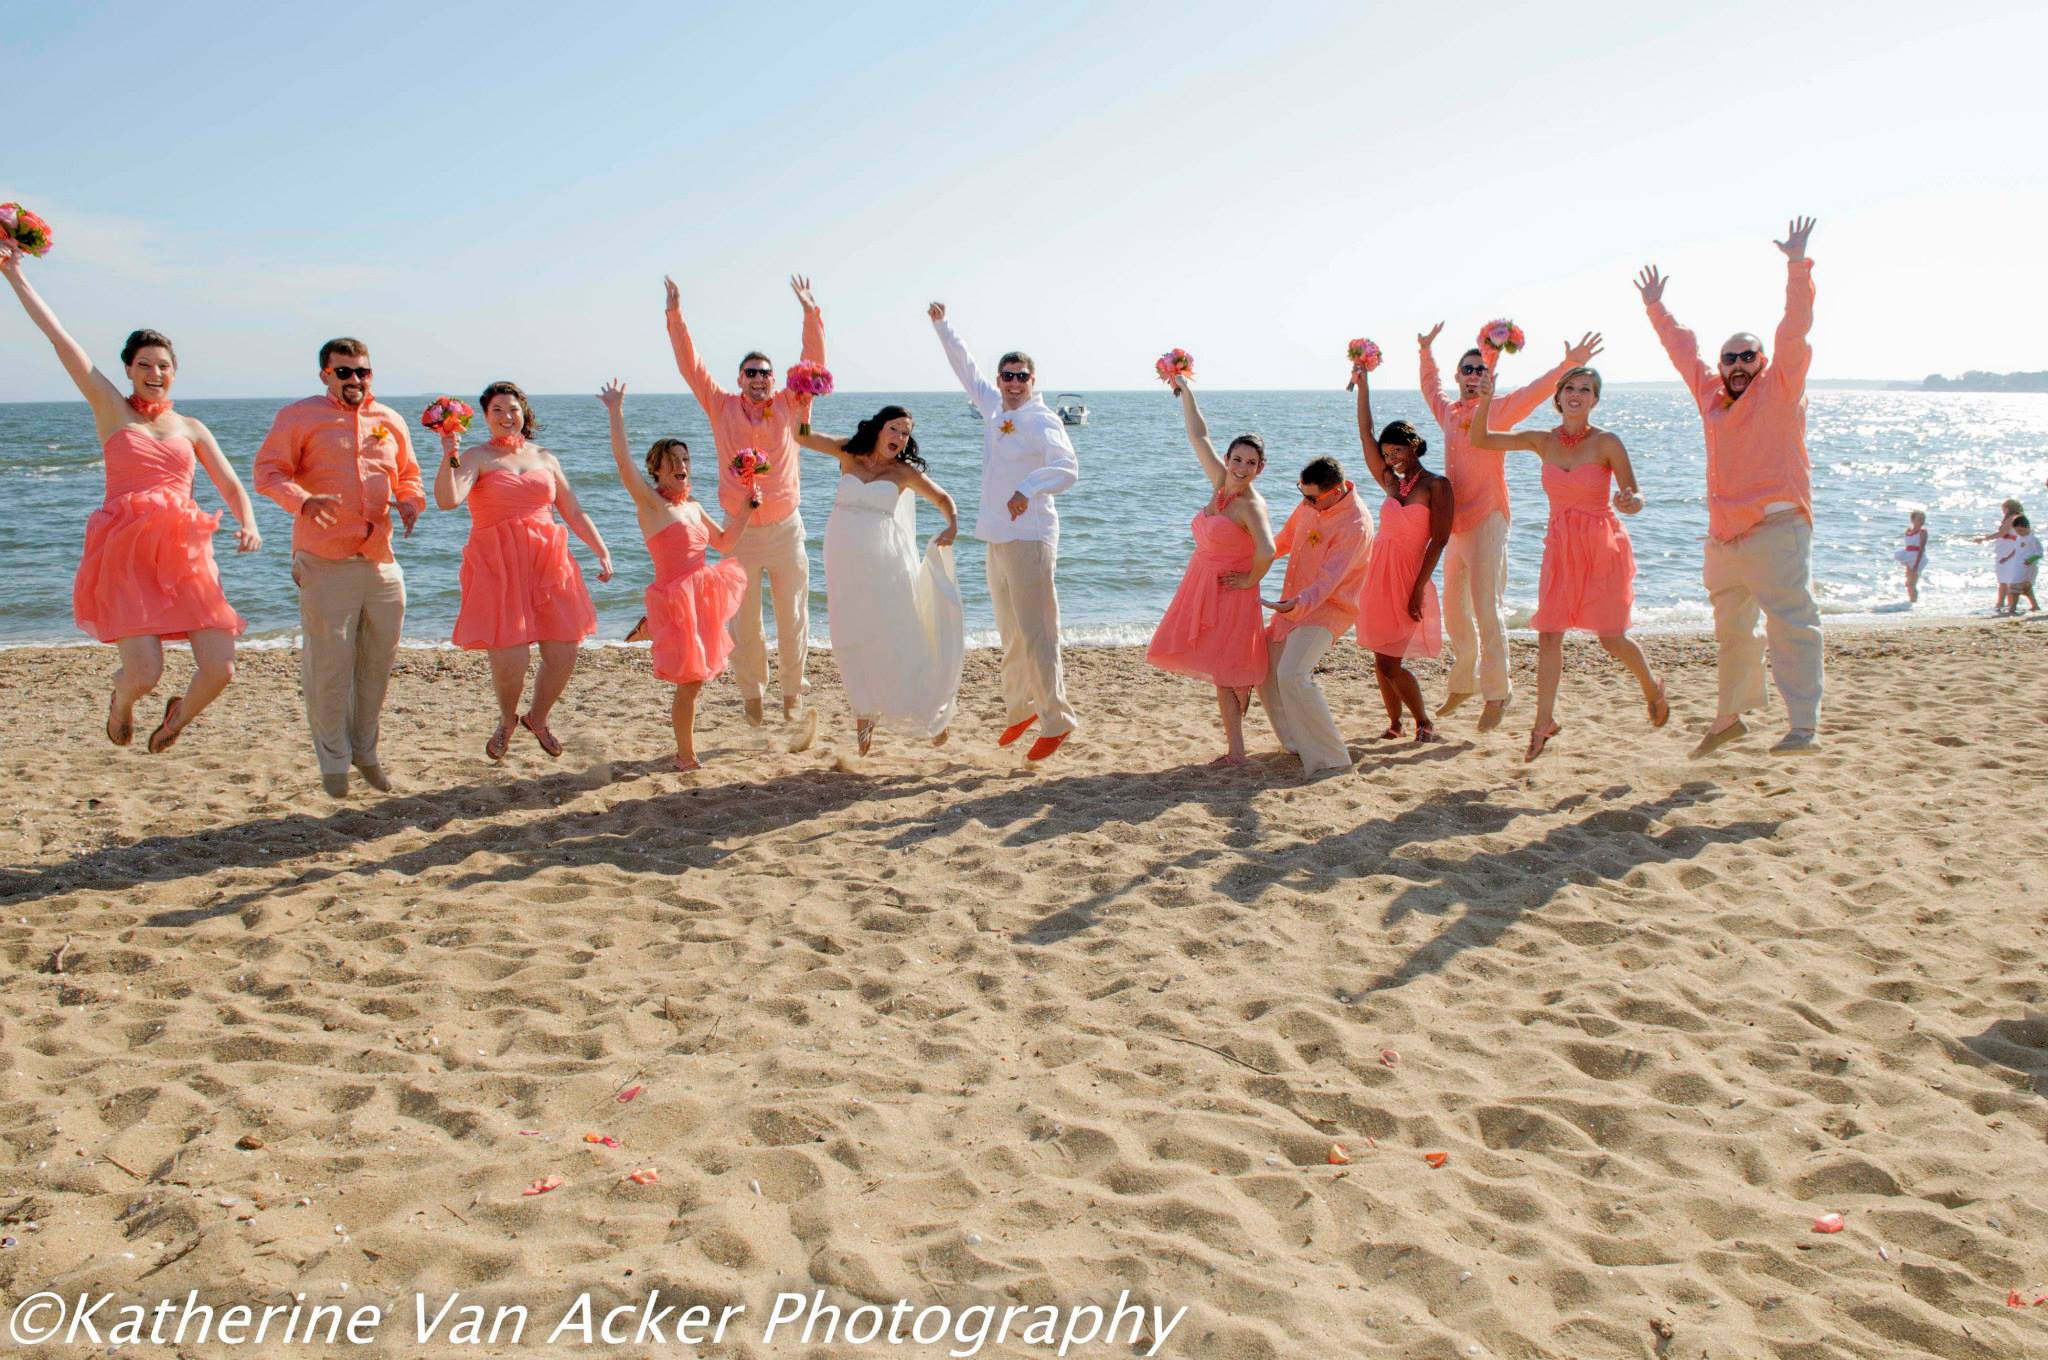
1518	405
1484	437
109	406
1679	343
1198	432
1432	384
1791	354
578	520
645	497
813	347
688	362
1368	434
979	390
222	474
833	446
457	473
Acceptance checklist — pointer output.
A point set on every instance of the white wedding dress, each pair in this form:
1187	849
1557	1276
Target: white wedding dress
898	632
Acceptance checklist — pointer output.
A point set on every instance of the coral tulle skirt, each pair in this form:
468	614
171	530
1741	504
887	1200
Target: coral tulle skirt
1207	631
690	604
519	583
147	569
1384	627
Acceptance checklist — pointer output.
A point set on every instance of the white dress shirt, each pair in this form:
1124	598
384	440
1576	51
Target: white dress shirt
1023	450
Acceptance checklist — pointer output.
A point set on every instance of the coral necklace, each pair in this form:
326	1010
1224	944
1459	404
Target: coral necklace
1406	485
148	410
508	441
1570	440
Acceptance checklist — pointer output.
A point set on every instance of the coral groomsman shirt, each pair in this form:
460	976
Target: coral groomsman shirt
360	454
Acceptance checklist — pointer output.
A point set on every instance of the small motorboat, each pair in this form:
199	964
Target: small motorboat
1072	412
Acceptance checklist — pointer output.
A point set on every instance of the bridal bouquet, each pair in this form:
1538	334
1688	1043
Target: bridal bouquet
809	379
448	413
1363	354
1174	365
25	229
1501	336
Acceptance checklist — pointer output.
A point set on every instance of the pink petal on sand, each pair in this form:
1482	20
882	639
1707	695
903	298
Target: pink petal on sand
1829	1223
603	1138
628	1094
2013	1299
1389	1058
529	1133
646	1175
1436	1159
543	1185
1338	1156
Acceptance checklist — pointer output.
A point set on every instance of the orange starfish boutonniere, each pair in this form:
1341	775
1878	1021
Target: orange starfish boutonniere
1008	427
382	435
1315	536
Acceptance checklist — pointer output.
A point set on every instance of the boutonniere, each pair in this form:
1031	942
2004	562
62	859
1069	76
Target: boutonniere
1315	536
382	435
1008	427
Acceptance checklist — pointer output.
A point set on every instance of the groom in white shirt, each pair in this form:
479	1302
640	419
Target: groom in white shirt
1026	460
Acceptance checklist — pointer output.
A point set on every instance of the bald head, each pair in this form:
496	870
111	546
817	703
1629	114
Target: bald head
1742	362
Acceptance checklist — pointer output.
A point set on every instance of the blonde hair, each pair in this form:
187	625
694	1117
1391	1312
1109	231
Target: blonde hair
1581	371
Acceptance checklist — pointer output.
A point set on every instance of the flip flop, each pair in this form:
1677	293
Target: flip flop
494	749
1539	738
864	734
542	735
123	732
165	735
1426	732
1393	732
1660	707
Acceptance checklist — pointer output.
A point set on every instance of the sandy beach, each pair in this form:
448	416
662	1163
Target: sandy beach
934	1025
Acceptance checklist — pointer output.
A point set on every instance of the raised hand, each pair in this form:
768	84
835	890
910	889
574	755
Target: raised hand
10	258
1583	352
1796	232
1651	285
1430	339
801	286
937	311
675	297
613	395
451	443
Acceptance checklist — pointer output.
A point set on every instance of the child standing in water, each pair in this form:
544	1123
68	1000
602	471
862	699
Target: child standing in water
2001	542
1914	555
2018	564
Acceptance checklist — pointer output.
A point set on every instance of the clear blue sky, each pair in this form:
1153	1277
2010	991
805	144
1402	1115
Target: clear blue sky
495	190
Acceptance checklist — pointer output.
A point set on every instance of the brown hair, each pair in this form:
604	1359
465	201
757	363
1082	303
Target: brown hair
1324	472
1251	441
1017	356
663	449
141	340
752	355
510	389
1401	432
1581	371
342	345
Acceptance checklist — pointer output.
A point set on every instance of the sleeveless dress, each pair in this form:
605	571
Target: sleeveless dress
690	604
519	584
898	631
1589	569
148	568
1397	551
1207	631
1915	549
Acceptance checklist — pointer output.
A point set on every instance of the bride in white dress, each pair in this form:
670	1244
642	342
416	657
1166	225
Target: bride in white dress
897	629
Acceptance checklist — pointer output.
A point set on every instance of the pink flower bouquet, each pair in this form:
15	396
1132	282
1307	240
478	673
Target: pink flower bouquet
25	229
1363	354
748	464
452	414
808	379
1501	336
1174	365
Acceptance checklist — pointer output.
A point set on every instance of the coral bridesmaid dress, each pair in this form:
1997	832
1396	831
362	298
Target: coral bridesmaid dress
1397	551
1589	569
690	603
519	584
1210	632
148	568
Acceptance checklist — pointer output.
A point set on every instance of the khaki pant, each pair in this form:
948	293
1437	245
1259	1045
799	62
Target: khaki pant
1294	701
351	613
1028	618
1767	570
1475	575
777	549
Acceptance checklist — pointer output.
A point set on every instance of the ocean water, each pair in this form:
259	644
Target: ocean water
1124	530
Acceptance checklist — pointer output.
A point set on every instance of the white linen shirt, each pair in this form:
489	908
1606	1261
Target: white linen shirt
1023	450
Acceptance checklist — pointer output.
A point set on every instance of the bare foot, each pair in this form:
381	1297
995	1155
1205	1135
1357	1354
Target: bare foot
1660	706
1539	738
1226	759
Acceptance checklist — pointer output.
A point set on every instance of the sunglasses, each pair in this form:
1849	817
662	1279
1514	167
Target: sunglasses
758	372
1014	375
1471	370
345	373
1315	497
1744	356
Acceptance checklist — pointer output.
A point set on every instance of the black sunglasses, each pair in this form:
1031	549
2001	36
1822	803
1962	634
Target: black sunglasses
1014	375
1747	356
1471	370
345	374
758	372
